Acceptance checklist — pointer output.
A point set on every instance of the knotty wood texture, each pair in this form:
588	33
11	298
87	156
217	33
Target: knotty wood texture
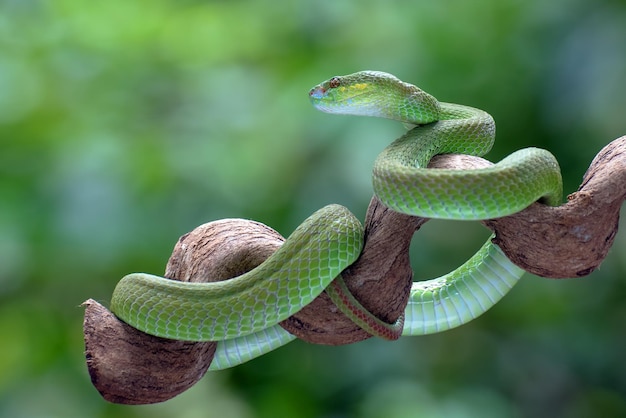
128	366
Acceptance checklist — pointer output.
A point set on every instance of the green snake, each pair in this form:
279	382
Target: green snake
242	313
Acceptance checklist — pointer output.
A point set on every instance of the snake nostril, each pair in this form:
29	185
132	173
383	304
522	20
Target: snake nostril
317	92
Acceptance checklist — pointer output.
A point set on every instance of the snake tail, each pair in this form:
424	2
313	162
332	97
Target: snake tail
352	308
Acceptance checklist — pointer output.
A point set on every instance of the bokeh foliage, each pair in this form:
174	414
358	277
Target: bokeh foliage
125	124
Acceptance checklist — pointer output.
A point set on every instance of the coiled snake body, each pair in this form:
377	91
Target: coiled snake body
243	312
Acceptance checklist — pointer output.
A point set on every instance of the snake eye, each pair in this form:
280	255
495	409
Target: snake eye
334	82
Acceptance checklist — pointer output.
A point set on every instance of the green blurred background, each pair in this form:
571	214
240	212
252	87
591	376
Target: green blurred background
125	124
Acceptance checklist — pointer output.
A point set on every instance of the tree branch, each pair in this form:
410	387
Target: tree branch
131	367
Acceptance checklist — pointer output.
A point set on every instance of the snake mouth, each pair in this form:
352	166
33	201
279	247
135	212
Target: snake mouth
319	93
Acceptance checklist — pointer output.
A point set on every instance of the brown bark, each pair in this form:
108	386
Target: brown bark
571	240
130	367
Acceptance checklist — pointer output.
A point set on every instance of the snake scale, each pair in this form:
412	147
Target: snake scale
242	313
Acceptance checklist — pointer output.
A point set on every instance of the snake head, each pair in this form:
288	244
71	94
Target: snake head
353	94
375	93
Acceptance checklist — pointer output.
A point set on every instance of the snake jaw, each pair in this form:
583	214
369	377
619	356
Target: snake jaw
323	100
332	96
339	93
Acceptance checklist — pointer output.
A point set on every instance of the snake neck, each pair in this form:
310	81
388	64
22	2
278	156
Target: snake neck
413	105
